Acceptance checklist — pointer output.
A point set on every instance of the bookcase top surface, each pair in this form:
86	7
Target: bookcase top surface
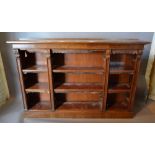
78	40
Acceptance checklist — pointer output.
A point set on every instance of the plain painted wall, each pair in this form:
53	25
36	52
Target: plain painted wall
9	58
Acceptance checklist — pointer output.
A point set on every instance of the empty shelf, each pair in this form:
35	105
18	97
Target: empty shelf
119	106
79	106
72	87
66	69
44	105
38	88
121	69
119	88
35	69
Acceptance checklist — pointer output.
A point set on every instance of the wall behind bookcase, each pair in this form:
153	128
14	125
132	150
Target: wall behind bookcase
9	58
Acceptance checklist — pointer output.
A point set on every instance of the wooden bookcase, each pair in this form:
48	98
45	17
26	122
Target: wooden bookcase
78	78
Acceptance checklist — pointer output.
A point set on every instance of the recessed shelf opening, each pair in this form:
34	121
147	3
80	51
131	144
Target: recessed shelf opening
118	101
122	63
77	101
36	82
33	62
120	83
38	101
81	62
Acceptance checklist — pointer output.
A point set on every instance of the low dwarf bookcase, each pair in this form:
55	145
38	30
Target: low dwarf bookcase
78	78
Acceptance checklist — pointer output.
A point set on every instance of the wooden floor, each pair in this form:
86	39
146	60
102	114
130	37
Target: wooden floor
146	114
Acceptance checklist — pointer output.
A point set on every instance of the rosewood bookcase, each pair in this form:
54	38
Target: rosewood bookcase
78	78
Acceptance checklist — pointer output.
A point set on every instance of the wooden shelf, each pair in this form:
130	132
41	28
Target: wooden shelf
80	87
35	69
78	70
119	106
44	105
119	88
38	88
120	69
67	69
79	106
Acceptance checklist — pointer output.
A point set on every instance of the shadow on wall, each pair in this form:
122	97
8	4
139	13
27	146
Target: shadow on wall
10	62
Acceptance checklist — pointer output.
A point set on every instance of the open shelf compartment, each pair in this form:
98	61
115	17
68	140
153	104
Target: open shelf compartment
122	63
78	82
118	101
38	101
33	62
77	101
120	83
78	62
36	83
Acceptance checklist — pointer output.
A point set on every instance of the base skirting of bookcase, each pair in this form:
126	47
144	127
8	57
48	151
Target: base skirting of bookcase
78	114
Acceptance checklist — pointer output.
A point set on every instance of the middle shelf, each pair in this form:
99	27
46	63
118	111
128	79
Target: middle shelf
80	87
38	88
70	69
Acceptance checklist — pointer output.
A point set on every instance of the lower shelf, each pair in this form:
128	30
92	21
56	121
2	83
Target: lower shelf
79	106
119	106
44	105
77	110
118	102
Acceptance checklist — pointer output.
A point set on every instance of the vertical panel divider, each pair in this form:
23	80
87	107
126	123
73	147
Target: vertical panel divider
21	78
134	80
106	60
50	78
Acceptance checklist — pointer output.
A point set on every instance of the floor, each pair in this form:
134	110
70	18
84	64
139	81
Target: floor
12	113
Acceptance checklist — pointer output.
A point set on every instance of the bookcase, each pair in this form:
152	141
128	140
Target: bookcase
78	78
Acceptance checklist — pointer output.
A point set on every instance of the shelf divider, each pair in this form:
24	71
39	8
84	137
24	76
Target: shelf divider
106	60
50	79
